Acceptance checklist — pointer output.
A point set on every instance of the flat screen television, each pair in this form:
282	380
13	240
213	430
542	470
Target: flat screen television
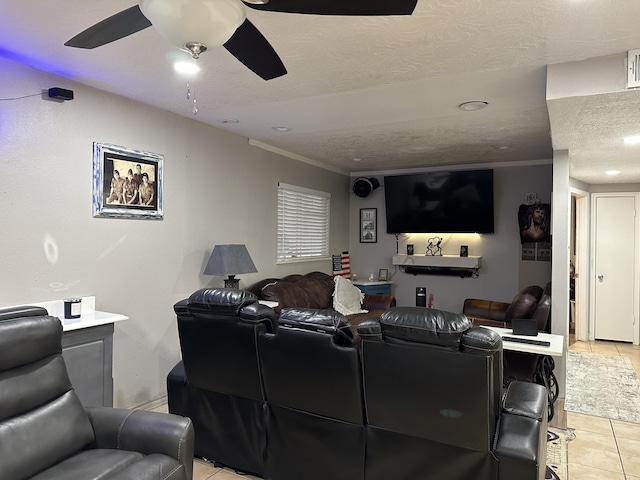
440	202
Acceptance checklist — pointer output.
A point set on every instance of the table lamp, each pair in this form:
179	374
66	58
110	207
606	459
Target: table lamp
229	260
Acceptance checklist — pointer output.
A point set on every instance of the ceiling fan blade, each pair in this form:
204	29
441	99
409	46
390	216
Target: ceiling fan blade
340	7
111	29
249	46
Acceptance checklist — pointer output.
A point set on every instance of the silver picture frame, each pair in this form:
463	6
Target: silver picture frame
127	183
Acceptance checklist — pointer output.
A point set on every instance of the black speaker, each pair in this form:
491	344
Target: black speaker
60	93
524	326
421	296
363	187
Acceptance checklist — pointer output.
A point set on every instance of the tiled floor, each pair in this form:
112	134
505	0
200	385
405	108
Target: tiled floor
602	450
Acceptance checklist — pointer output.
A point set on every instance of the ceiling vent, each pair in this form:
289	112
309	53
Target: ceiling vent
633	68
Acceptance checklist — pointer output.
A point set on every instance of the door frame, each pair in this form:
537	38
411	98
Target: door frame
592	265
583	241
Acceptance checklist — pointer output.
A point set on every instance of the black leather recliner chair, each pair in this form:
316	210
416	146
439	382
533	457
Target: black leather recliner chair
434	401
46	434
218	382
313	385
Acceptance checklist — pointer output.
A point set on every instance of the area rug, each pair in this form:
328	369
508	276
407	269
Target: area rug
557	453
603	386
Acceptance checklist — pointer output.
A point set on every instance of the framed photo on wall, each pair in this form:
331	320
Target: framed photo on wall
126	183
368	225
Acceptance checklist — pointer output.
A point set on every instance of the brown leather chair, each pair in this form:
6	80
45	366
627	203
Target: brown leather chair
532	302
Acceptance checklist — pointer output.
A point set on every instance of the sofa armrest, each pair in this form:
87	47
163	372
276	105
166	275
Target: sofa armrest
145	432
485	312
521	439
378	302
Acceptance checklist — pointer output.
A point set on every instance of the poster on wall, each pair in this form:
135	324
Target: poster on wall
543	251
534	221
127	183
529	252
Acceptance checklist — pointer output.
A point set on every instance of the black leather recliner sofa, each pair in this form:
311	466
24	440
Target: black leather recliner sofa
420	398
435	402
46	434
222	390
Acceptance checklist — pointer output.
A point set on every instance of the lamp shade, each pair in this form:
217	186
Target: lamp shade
229	260
210	22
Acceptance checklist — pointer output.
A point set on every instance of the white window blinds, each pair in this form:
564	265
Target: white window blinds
303	224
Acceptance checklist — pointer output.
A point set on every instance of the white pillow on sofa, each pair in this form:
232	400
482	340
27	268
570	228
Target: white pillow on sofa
347	298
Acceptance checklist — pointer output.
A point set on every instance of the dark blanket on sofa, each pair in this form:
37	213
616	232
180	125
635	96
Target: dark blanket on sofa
315	290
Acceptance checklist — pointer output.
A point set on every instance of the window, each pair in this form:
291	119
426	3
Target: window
303	224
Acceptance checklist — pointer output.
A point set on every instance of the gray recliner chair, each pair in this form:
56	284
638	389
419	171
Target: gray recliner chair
46	433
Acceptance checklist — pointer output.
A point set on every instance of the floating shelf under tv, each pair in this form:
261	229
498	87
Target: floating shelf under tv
438	265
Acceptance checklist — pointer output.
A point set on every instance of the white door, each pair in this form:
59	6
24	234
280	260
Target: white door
615	267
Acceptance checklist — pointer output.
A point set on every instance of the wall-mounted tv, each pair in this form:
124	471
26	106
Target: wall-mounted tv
440	202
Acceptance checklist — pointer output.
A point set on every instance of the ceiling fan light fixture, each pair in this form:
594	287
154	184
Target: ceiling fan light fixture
186	67
207	23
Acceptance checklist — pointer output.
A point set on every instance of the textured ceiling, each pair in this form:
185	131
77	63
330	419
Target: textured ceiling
384	90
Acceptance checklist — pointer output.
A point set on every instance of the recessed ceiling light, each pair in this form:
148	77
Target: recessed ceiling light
186	67
612	172
473	105
282	129
230	120
357	159
503	147
632	140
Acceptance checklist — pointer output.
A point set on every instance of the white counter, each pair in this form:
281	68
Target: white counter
87	348
89	317
556	348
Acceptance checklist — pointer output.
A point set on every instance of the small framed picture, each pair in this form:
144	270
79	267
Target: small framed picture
368	225
410	249
464	250
383	275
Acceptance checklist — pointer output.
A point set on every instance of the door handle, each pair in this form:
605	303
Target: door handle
601	277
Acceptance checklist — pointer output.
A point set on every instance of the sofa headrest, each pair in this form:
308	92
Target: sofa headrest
22	311
328	322
219	301
424	325
524	303
481	341
26	338
541	313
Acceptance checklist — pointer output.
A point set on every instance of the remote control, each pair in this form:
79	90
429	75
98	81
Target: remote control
530	341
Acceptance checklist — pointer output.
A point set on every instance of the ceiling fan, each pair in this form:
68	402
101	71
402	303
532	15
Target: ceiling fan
198	25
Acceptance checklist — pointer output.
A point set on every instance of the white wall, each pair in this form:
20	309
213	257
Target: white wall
217	189
502	273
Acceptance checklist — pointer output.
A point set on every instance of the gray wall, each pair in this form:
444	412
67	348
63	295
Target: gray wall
217	189
502	273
